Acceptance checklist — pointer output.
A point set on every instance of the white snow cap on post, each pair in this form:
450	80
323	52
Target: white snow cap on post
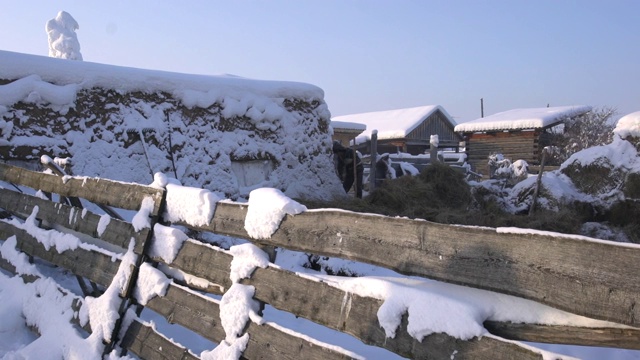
434	140
63	41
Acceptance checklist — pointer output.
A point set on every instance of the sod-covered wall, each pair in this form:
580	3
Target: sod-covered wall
226	134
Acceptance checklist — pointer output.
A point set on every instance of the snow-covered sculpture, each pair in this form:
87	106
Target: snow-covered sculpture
63	41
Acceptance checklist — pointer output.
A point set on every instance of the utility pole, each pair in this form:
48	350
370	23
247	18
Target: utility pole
481	107
374	160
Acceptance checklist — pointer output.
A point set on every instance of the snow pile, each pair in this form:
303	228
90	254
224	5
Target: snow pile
628	126
619	153
103	223
246	257
17	258
190	205
32	89
151	283
267	208
236	308
226	350
63	41
141	218
103	311
237	305
578	187
166	242
5	128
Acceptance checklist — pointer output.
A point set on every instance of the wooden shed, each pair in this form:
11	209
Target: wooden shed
516	134
344	132
405	130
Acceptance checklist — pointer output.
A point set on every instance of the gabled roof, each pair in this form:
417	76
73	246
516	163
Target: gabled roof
393	124
519	119
348	126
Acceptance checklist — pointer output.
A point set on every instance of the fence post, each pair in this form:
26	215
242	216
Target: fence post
538	181
373	155
127	297
434	142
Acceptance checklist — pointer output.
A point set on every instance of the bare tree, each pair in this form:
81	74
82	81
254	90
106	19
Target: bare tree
591	129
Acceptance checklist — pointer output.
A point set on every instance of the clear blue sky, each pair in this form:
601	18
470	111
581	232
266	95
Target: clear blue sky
370	55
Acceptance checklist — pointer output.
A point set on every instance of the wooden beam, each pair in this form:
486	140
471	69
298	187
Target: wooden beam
195	312
563	272
148	344
103	191
117	232
92	265
202	315
622	338
325	305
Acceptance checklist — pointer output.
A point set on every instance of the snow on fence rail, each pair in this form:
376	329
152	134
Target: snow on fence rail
568	273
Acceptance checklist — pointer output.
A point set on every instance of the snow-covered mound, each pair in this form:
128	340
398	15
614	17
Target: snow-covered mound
600	175
223	133
628	127
599	185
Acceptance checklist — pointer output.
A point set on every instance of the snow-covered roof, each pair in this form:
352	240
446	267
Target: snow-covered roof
343	125
628	125
87	75
518	119
393	124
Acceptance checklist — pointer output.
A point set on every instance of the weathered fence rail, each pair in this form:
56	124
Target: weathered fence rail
566	273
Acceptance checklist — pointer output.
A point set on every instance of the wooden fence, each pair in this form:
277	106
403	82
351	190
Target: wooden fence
594	279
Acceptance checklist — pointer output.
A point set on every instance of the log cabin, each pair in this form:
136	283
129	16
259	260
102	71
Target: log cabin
518	134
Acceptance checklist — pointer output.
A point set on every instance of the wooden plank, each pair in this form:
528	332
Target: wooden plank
74	200
148	344
202	261
102	191
196	313
623	338
267	342
562	272
286	291
500	135
117	232
92	265
501	144
202	315
321	303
